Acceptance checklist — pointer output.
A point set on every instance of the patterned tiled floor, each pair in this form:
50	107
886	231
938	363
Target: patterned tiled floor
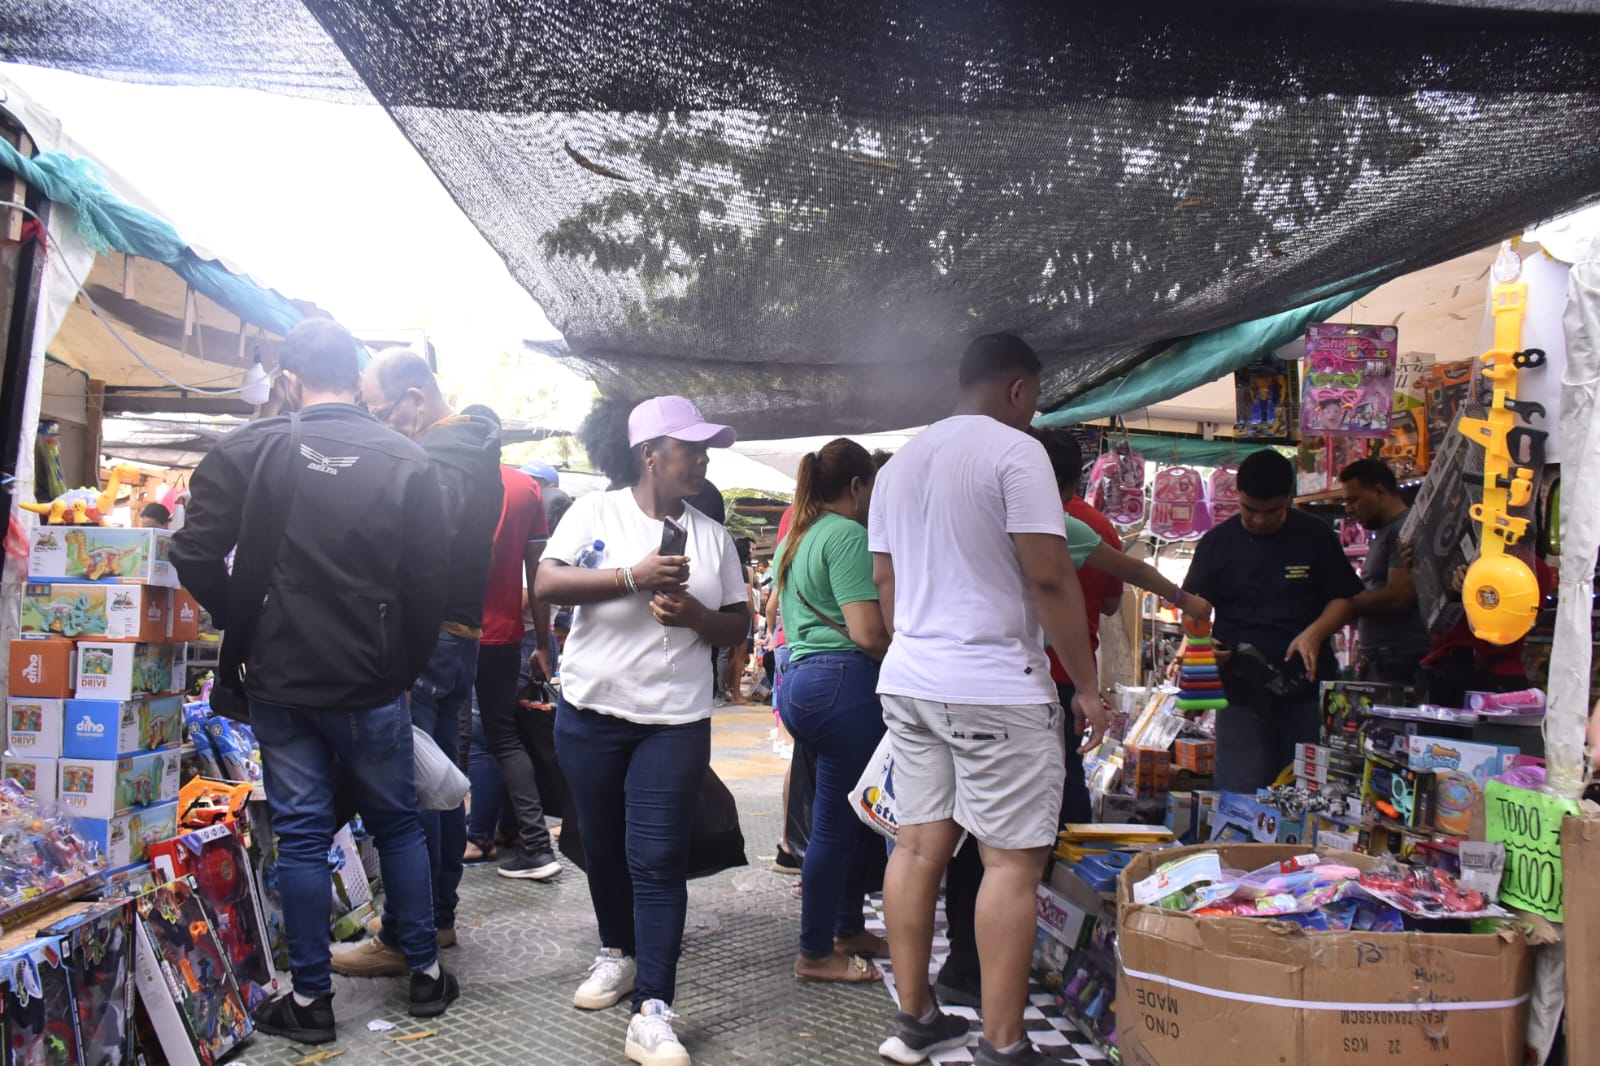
525	947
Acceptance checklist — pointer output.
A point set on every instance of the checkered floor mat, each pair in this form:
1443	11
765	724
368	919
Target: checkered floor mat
1047	1027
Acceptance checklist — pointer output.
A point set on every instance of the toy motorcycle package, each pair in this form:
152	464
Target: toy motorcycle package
98	948
184	981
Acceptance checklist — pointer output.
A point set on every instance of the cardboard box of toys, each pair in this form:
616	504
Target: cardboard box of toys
102	788
40	1019
38	777
102	612
111	671
33	726
109	729
216	860
97	945
101	553
183	979
1461	770
126	838
1270	998
1195	755
183	621
43	667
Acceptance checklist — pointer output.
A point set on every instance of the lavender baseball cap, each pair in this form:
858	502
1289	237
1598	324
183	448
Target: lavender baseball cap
676	417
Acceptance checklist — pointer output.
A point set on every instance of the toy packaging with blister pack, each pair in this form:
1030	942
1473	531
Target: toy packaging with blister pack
184	981
41	1027
97	945
1347	380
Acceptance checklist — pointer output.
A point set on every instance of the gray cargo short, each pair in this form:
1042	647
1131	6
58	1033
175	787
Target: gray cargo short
996	770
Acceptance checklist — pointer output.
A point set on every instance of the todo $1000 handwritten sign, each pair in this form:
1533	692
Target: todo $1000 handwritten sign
1528	823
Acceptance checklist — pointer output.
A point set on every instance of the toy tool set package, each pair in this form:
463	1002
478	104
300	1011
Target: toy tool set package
1348	376
125	556
97	945
184	981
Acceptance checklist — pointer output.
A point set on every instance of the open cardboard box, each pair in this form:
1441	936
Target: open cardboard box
1270	993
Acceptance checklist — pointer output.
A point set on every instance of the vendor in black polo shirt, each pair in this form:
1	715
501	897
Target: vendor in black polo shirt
1280	583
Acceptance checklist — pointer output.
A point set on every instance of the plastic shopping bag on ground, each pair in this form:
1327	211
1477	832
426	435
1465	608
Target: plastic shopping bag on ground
441	786
873	797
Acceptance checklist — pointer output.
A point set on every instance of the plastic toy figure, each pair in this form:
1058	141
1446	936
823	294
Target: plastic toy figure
87	507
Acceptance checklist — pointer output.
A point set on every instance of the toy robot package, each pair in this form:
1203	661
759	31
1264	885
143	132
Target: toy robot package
41	1029
98	948
184	981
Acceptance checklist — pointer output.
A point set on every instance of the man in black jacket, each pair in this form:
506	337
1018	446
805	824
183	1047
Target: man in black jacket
400	391
327	624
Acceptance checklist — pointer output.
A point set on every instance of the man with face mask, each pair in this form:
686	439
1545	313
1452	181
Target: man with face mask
1280	582
400	391
334	619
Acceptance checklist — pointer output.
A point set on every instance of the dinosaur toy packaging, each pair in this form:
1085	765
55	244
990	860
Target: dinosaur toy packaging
33	726
97	946
183	978
41	1023
110	729
93	553
107	612
43	667
112	671
101	788
125	839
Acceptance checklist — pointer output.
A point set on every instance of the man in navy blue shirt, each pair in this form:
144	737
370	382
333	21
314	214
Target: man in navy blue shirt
1280	582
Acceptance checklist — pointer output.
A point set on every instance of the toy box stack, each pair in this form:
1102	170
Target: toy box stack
94	717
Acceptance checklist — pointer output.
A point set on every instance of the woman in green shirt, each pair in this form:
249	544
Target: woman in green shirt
829	699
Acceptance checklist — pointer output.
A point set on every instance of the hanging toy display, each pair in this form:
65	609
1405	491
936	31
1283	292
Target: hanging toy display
1263	394
1223	491
1116	486
1501	593
1347	380
1199	680
1177	503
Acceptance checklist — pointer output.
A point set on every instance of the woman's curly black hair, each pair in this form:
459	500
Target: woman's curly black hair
604	436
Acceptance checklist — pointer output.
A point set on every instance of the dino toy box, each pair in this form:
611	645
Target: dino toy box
97	945
41	1022
100	553
37	776
106	612
216	859
46	667
183	980
112	671
110	729
33	726
102	788
127	838
183	621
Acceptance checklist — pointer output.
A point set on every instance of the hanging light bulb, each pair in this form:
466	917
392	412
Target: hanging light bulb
257	386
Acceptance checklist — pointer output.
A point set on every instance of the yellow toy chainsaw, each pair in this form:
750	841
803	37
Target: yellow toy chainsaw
1501	594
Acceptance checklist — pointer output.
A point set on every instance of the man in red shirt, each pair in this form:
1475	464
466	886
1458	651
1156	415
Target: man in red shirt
518	543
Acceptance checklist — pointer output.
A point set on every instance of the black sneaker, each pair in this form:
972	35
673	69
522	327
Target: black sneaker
786	862
912	1040
525	867
959	989
311	1024
431	996
1026	1055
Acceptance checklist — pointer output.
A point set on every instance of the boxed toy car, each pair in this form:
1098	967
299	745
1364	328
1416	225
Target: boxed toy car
109	729
216	860
40	1020
102	788
1461	770
43	667
33	726
104	612
37	776
126	838
97	945
112	671
101	553
183	979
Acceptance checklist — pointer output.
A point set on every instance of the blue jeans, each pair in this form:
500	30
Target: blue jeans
636	788
483	770
830	702
373	749
438	699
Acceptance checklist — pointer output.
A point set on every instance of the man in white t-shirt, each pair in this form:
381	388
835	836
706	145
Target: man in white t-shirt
972	568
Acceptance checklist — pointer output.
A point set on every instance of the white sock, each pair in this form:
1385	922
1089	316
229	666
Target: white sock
1014	1048
303	1001
432	970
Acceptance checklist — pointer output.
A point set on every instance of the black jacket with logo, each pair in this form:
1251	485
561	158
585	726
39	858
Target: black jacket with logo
352	608
465	451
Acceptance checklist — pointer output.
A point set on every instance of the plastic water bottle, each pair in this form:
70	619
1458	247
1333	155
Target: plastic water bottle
590	557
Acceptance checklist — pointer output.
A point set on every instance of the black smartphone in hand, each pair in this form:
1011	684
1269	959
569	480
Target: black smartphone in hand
674	537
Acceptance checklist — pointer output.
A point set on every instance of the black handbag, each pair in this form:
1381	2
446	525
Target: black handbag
716	842
263	522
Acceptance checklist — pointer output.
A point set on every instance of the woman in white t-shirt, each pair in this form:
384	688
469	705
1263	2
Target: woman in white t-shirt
633	728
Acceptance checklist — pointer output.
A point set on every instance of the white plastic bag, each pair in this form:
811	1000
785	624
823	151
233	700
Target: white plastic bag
441	786
873	797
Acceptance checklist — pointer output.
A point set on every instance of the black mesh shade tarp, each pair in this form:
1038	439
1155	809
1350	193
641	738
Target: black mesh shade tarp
798	211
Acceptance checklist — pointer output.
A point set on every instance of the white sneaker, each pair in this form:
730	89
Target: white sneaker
610	978
651	1041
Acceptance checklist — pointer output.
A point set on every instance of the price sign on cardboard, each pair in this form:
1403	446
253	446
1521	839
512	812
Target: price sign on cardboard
1528	823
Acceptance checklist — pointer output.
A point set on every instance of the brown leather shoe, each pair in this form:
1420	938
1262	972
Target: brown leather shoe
446	938
371	958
